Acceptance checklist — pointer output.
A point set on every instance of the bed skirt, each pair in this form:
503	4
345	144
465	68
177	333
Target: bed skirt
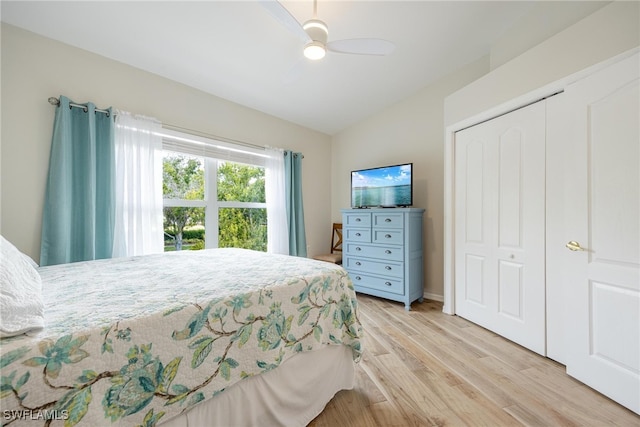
291	395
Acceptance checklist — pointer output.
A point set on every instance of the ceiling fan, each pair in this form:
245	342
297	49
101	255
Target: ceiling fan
314	33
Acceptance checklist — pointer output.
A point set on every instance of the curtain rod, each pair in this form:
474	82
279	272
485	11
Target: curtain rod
55	101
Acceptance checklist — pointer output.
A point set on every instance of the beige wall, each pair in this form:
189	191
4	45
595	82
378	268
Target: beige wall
414	129
545	19
409	131
540	71
607	32
35	68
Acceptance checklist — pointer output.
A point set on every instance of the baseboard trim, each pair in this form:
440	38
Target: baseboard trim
433	297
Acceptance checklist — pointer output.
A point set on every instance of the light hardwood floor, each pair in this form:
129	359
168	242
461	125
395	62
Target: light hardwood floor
425	368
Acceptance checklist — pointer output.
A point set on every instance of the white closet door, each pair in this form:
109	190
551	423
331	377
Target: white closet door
603	218
500	225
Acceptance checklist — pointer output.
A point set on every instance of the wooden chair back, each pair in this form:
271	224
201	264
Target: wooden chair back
336	246
336	237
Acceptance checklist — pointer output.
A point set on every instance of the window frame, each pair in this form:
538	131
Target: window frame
212	152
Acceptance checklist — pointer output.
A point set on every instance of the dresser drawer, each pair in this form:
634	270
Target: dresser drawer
395	286
386	268
382	252
370	251
394	237
357	235
357	220
388	220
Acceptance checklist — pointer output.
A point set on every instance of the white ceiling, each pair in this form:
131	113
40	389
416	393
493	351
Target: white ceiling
236	50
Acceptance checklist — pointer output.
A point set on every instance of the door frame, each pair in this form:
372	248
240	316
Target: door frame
449	163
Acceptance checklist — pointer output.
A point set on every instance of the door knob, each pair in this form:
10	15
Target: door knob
574	246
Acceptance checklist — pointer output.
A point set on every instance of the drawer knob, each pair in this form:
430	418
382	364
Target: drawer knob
358	278
358	248
358	234
387	283
358	263
358	219
388	236
387	220
386	252
388	267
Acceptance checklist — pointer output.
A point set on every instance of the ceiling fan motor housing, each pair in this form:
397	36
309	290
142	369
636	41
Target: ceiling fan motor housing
317	30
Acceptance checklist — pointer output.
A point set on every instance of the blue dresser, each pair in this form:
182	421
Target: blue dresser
382	251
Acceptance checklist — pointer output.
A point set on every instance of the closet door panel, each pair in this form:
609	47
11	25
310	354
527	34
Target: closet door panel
511	290
474	194
510	192
474	280
614	126
602	220
476	297
499	225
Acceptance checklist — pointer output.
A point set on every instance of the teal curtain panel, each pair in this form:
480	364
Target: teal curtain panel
295	210
79	210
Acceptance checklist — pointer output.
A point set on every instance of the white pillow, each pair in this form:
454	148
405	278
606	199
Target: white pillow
21	307
30	260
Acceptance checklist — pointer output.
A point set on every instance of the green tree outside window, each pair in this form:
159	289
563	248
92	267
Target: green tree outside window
242	227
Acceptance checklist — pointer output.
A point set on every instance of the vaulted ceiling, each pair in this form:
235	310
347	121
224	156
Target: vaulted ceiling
237	50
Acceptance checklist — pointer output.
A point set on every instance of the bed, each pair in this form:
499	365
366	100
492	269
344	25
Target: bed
212	337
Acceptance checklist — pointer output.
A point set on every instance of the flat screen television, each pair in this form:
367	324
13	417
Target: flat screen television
386	186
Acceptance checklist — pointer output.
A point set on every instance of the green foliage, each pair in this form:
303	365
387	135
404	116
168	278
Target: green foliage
183	178
198	245
188	234
243	228
240	183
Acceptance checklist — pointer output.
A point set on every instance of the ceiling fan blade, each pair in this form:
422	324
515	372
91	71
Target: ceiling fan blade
362	46
282	15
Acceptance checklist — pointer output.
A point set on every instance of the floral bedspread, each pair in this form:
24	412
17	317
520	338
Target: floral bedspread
136	341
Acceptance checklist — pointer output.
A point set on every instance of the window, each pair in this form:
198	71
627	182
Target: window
184	205
242	212
204	192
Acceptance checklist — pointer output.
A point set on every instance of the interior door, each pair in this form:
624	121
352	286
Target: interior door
602	221
500	225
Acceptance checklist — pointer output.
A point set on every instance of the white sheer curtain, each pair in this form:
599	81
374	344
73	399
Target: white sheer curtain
277	227
138	160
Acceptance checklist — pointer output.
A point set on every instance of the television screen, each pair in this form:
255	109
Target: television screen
387	186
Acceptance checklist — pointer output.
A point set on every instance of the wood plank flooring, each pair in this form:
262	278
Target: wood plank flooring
425	368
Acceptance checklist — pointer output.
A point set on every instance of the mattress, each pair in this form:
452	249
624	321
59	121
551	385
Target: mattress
137	341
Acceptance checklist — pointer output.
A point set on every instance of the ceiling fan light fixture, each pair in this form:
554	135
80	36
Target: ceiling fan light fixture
318	33
315	50
315	34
